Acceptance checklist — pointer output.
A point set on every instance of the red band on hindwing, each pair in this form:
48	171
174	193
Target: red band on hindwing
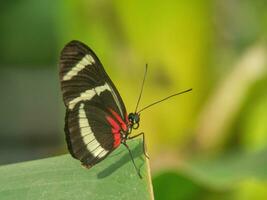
119	119
115	130
116	127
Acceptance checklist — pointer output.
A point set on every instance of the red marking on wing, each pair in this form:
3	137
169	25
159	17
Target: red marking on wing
119	119
115	130
117	127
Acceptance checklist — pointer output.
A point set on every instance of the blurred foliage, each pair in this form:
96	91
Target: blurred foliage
216	47
28	33
253	118
222	178
228	170
175	186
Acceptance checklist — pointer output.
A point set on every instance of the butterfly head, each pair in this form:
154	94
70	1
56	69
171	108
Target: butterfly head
134	119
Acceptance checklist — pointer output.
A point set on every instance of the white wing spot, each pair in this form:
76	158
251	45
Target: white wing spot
86	60
89	139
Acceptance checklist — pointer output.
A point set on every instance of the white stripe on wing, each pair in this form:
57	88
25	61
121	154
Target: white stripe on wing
86	60
88	95
93	146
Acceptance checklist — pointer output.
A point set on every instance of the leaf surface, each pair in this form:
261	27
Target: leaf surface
63	177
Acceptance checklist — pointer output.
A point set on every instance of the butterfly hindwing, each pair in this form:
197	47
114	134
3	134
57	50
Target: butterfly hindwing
88	136
89	96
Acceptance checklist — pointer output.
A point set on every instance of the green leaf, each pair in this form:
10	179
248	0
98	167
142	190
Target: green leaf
63	177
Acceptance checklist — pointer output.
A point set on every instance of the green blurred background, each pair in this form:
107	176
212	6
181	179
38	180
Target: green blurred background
207	144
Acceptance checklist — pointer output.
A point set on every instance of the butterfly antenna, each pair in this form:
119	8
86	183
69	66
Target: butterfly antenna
164	99
141	90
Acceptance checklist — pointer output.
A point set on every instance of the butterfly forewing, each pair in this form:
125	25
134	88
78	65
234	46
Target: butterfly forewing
94	108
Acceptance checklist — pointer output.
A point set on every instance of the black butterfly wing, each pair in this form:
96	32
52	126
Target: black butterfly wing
95	111
81	70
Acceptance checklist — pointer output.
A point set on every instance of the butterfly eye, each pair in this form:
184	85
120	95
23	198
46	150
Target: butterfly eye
131	117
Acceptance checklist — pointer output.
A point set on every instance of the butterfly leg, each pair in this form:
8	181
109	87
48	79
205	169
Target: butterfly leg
144	144
131	155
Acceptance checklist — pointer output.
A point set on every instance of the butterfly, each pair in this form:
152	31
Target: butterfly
96	120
